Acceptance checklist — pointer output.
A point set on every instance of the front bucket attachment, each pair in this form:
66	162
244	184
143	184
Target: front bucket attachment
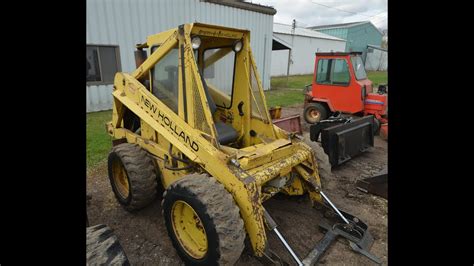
377	185
344	138
360	239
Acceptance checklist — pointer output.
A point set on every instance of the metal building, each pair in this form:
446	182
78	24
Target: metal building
357	34
376	59
114	27
298	46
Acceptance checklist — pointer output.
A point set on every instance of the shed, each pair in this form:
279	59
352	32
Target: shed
358	35
376	59
298	46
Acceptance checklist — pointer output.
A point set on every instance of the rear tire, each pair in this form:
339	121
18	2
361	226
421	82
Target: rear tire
376	127
215	236
132	176
103	247
315	112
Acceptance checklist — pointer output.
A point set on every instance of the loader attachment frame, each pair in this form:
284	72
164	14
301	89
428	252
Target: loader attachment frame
343	138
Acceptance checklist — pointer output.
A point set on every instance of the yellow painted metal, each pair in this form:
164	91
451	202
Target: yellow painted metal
189	229
295	188
266	172
164	48
258	154
120	179
217	31
160	38
190	134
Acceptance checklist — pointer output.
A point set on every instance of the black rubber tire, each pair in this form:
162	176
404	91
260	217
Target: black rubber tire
376	127
317	107
218	213
103	247
141	174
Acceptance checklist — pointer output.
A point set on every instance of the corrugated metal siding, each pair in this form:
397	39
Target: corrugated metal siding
339	33
359	37
377	60
128	22
303	54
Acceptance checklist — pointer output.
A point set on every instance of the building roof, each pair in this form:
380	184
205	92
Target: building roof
245	5
342	25
286	29
279	44
377	47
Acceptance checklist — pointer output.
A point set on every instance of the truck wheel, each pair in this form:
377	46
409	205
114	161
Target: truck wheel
376	126
315	112
203	221
103	247
132	176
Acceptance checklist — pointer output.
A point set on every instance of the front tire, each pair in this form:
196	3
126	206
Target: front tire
103	247
132	176
203	221
315	112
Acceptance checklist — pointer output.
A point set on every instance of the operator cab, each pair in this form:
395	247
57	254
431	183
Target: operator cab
227	72
216	59
340	82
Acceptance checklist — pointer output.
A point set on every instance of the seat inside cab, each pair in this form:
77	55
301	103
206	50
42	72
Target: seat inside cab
225	133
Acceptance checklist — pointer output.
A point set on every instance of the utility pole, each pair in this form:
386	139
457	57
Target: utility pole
293	26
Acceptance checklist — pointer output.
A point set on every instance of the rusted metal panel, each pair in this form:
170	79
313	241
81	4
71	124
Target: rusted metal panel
291	124
282	167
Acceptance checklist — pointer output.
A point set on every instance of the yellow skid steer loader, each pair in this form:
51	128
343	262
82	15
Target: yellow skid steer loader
192	119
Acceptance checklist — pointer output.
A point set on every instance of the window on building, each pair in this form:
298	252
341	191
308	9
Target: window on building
165	79
332	72
102	62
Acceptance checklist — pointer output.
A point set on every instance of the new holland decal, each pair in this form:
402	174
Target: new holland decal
165	121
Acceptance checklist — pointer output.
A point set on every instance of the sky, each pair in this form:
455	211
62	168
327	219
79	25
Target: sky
307	13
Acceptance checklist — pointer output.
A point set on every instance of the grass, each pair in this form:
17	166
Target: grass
377	77
297	81
99	142
284	97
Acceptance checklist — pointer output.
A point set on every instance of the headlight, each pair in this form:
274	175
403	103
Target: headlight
237	46
196	42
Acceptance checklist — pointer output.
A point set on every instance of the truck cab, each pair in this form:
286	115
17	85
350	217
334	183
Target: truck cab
339	84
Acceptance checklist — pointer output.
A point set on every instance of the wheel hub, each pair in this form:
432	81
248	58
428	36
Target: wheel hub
314	114
189	229
121	180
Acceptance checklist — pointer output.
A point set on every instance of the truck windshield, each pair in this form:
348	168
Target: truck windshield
358	67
